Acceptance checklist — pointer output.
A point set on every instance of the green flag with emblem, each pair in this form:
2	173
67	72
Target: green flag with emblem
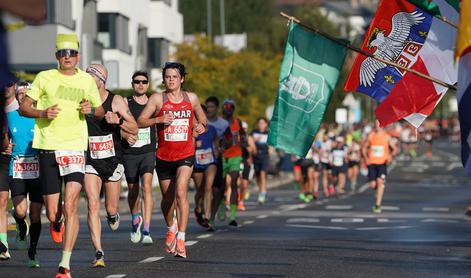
309	73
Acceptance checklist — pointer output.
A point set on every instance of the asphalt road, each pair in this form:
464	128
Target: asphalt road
422	232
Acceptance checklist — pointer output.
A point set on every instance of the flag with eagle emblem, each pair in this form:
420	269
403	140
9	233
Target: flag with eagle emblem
407	35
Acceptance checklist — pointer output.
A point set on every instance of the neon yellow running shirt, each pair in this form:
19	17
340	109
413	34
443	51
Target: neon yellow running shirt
68	131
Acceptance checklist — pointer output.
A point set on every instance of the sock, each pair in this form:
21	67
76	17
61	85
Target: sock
34	232
147	227
135	218
233	211
3	239
21	226
174	227
65	261
181	235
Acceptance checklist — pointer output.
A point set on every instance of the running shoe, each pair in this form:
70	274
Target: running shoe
180	250
222	212
22	241
302	196
240	206
233	223
33	263
262	198
3	248
171	242
316	195
99	260
146	239
63	273
136	231
331	190
246	195
56	235
211	227
113	221
199	217
376	209
5	255
309	198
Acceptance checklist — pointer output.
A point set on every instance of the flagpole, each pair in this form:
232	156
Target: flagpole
358	50
444	19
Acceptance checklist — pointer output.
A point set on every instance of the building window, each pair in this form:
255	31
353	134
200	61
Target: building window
113	31
158	52
60	12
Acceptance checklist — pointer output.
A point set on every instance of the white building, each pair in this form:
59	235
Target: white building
124	35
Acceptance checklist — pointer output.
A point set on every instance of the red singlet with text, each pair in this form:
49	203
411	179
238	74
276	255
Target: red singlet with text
176	140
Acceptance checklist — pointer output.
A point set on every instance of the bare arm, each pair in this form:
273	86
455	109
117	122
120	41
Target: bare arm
34	10
27	110
252	146
129	124
153	105
199	113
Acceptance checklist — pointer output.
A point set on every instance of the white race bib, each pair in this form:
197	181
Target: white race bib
101	146
143	138
316	158
377	151
26	168
177	131
204	156
337	157
70	162
261	138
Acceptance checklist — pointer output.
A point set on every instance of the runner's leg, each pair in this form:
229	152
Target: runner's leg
93	186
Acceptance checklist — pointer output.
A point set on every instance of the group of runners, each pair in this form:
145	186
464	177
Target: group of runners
338	156
66	132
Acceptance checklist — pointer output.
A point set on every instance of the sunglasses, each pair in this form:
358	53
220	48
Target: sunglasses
228	106
67	52
145	82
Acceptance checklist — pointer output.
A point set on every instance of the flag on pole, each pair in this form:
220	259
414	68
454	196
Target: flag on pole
309	73
407	35
463	52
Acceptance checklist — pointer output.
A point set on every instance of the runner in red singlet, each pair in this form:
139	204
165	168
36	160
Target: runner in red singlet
174	112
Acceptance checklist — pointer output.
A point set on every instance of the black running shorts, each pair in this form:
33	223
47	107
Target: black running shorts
136	165
49	175
377	171
32	187
167	170
4	177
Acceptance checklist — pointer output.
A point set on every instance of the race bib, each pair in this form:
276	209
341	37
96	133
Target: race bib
261	138
337	157
316	158
177	131
25	168
101	146
377	151
70	162
204	156
143	138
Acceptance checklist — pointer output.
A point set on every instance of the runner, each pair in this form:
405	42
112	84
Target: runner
338	159
4	185
354	154
62	97
324	153
139	162
377	155
103	164
174	111
206	151
261	157
232	156
24	174
221	125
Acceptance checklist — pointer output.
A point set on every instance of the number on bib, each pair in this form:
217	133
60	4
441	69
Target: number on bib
204	157
177	131
26	168
101	146
70	162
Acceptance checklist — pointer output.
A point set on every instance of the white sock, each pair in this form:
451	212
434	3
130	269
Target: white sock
65	259
181	235
174	227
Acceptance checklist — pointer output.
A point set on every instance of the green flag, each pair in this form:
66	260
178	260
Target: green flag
309	73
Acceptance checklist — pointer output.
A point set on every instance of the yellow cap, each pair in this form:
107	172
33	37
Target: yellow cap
67	41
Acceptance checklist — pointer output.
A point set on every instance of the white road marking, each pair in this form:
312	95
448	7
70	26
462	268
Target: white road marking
436	209
383	220
262	216
390	208
303	220
292	207
453	166
190	243
439	220
347	220
275	212
387	220
382	228
204	236
116	276
338	207
317	227
248	222
151	260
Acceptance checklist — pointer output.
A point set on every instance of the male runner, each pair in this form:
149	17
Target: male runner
174	111
24	174
139	162
103	164
261	157
377	154
64	97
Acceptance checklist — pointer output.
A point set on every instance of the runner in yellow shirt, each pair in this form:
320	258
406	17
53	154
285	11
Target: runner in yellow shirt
64	97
